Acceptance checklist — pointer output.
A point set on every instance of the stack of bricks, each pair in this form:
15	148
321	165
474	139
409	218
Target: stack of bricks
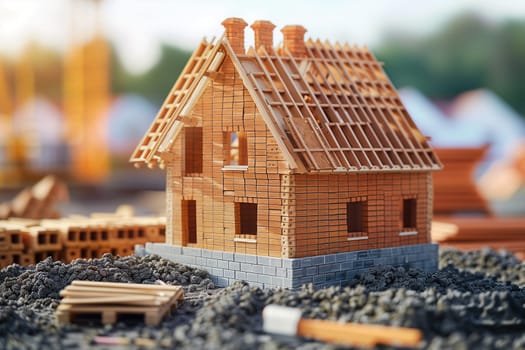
81	238
455	189
41	242
37	201
11	246
26	242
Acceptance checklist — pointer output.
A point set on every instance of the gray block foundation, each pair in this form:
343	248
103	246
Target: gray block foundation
321	271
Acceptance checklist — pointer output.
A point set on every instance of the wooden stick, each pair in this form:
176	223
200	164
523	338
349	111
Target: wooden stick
286	320
358	334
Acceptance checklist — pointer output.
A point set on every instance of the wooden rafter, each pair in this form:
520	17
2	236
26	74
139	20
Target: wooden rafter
181	92
333	110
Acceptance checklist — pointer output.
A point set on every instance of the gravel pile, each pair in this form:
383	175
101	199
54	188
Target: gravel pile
475	301
501	264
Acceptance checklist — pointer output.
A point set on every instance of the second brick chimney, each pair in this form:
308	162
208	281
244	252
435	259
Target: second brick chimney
293	40
263	34
235	33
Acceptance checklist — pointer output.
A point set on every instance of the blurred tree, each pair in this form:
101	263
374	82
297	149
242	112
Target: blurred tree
156	83
469	52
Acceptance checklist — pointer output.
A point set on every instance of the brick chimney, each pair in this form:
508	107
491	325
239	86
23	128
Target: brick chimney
263	33
294	40
235	33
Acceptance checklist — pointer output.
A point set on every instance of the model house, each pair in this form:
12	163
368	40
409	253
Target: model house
287	153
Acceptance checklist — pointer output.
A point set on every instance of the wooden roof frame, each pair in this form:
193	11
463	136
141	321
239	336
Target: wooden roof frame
334	110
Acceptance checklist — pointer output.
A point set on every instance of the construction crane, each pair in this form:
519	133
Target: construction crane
86	97
15	144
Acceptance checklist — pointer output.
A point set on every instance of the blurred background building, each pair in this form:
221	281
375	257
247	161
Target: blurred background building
81	80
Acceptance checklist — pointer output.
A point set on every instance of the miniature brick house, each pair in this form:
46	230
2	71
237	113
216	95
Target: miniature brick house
300	158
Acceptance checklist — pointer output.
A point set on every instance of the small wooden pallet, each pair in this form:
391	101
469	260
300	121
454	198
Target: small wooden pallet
110	300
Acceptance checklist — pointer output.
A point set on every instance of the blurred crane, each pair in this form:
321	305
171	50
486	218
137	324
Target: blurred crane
85	100
86	96
14	155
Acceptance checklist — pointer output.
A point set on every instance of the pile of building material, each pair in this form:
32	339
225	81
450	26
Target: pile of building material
462	216
455	191
11	246
115	301
37	201
25	241
473	233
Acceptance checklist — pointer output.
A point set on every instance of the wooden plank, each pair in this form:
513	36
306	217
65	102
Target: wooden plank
72	290
126	285
120	299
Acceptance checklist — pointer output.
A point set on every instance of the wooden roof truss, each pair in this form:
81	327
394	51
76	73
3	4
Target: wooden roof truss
333	110
183	95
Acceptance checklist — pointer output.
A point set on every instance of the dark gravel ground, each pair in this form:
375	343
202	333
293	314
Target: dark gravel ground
475	301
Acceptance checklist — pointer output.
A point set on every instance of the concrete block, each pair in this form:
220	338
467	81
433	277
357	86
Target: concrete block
340	275
362	254
306	262
234	266
216	272
264	279
239	257
292	263
305	280
211	262
386	252
269	270
252	259
240	275
350	274
251	277
200	261
317	260
227	256
191	251
216	255
340	257
281	272
287	283
368	263
207	253
374	254
263	260
352	256
188	260
246	267
223	264
333	267
330	276
328	259
229	273
312	270
277	262
297	273
411	257
349	265
319	279
296	284
357	265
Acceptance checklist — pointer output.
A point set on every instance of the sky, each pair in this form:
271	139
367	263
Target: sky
138	27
